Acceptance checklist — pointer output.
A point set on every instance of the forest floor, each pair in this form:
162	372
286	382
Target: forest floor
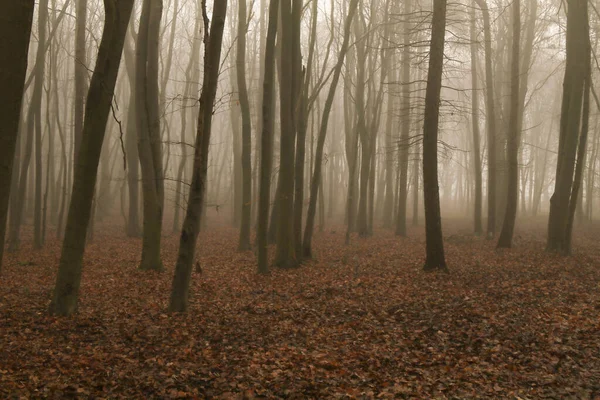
358	322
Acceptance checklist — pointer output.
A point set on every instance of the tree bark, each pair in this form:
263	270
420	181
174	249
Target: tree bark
266	156
148	129
285	253
478	226
435	259
572	129
490	122
191	225
100	95
514	136
15	28
316	176
404	142
242	30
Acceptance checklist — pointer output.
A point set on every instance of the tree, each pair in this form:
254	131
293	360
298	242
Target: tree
404	125
316	176
15	28
490	121
266	157
131	150
80	72
573	128
148	129
242	30
435	259
97	107
514	136
478	227
191	224
286	252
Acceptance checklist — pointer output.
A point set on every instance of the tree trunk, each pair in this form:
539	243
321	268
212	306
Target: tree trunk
80	72
286	254
490	121
148	128
266	155
316	176
242	30
572	129
514	136
192	75
478	227
433	224
404	142
15	28
191	225
100	96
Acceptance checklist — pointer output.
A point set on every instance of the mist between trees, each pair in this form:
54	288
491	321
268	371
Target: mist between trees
282	117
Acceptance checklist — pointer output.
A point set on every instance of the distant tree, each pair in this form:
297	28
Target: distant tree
403	144
435	259
191	224
15	28
514	135
316	177
80	72
573	129
97	108
490	121
192	76
478	226
131	150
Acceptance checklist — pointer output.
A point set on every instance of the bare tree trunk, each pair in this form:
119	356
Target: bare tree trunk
266	160
490	121
286	254
433	224
478	226
148	128
15	28
191	225
192	75
80	72
572	129
514	136
404	125
242	30
132	157
66	291
316	176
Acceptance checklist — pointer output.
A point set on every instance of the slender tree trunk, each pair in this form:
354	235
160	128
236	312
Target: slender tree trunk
66	291
80	72
514	136
316	176
433	224
191	225
573	128
266	156
132	157
192	74
478	226
242	30
286	254
403	144
148	128
490	122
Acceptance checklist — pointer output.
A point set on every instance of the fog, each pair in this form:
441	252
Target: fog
162	121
